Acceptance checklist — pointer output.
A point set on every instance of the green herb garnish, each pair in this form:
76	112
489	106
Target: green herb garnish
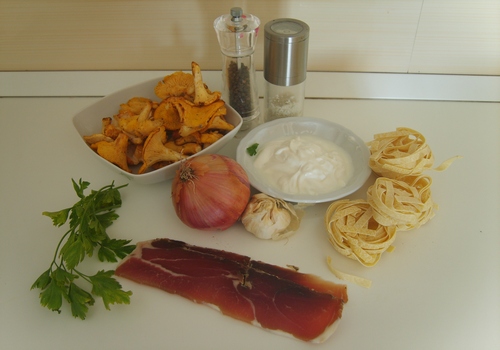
88	220
252	150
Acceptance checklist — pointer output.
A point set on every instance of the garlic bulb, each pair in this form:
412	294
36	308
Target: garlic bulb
270	218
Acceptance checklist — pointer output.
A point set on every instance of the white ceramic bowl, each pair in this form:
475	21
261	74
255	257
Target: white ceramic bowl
89	121
330	131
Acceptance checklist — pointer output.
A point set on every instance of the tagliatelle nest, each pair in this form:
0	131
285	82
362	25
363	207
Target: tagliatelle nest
354	233
399	200
404	203
399	153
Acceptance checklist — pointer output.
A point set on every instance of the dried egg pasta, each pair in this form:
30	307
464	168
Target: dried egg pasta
404	203
402	152
355	233
360	281
399	200
399	153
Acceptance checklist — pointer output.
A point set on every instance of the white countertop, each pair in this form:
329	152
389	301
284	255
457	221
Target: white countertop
439	289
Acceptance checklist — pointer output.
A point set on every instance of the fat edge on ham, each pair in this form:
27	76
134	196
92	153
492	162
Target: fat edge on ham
277	299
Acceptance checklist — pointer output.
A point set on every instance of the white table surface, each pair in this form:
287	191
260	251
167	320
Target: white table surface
439	289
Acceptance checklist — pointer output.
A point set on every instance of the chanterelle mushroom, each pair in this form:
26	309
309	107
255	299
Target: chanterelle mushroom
138	125
202	96
168	114
195	118
178	84
154	150
114	152
94	138
218	123
136	104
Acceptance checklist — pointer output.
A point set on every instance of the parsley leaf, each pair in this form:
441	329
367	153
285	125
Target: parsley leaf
88	220
80	301
109	289
252	150
52	296
43	281
58	217
111	249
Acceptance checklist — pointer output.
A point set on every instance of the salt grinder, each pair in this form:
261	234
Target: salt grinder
285	66
237	35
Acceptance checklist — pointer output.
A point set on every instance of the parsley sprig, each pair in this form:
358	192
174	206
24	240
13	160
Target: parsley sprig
88	220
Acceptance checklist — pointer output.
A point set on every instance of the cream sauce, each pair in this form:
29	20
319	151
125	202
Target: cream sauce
303	164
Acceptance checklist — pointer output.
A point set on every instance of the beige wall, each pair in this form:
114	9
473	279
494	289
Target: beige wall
400	36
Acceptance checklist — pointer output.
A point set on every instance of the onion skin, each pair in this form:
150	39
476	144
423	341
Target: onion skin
210	192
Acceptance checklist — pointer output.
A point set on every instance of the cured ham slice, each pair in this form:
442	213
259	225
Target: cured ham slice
275	298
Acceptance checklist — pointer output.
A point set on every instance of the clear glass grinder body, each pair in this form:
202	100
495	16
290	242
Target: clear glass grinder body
237	35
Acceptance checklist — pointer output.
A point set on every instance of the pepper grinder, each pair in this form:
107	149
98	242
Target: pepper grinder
285	66
237	35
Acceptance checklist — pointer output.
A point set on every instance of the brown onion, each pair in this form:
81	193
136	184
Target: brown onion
210	192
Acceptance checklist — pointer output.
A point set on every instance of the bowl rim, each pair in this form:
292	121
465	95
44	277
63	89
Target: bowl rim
357	182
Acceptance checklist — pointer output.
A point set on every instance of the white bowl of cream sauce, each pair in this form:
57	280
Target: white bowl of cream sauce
304	160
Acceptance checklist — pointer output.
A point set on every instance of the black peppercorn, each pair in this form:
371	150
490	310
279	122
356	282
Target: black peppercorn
240	89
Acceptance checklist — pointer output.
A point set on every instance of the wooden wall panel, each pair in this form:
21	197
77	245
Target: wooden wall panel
417	36
458	36
375	36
